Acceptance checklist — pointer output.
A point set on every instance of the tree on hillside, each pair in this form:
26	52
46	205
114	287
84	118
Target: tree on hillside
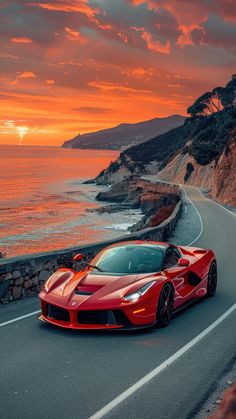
212	102
207	104
229	95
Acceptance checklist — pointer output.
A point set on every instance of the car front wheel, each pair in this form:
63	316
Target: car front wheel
165	306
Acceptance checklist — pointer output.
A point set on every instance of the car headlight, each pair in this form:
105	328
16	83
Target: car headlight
134	296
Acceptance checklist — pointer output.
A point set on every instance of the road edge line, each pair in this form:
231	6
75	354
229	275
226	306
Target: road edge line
217	203
198	213
152	374
16	319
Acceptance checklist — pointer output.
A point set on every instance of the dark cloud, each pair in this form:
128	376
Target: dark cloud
191	11
19	21
219	33
198	36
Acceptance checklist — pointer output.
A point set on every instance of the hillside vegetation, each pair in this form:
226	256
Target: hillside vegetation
204	144
208	131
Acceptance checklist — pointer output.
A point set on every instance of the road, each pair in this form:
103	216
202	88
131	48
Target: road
46	372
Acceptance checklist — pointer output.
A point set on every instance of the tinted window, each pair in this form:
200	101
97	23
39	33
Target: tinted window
171	258
130	259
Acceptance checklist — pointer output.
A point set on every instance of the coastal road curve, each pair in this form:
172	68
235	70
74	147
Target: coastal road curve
47	372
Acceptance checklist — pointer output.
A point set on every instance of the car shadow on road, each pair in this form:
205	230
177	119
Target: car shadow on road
102	333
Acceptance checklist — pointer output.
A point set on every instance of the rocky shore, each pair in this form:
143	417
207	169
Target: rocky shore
156	200
221	403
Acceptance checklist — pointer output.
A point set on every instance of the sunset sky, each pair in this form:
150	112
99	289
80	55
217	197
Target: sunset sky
69	67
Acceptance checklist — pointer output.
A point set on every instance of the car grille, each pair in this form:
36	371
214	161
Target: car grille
105	317
58	313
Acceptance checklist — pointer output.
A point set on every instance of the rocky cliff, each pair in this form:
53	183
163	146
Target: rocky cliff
148	157
157	201
218	178
201	152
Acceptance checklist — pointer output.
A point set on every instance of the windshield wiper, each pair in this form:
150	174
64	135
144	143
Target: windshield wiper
95	267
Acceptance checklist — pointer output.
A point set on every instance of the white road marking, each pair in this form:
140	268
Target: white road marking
139	384
16	319
199	189
216	203
199	215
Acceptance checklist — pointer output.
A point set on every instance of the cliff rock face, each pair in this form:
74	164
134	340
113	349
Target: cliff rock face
121	169
169	156
227	409
146	157
224	179
137	191
157	201
217	178
201	152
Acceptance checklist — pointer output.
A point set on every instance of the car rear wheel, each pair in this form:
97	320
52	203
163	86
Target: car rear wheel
212	279
165	306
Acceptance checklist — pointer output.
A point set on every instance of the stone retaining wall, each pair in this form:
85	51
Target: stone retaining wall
23	276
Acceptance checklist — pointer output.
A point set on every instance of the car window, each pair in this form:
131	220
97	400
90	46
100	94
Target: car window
171	257
130	259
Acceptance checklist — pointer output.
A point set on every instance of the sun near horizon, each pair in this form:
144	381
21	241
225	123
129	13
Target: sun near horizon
84	65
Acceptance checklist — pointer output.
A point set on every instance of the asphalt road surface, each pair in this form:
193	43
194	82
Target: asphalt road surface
48	372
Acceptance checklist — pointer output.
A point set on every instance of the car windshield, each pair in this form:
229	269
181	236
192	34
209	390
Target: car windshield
130	259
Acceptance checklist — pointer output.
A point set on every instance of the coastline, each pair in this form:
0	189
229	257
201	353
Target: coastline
24	276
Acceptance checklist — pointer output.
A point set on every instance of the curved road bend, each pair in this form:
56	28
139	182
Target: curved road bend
54	373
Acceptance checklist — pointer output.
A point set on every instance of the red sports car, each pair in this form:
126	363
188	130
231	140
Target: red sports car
128	285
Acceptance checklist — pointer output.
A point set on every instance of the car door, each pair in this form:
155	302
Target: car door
178	274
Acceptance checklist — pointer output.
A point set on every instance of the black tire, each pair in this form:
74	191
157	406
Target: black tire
165	306
212	280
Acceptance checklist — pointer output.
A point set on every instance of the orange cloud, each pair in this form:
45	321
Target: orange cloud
185	37
50	82
122	35
151	4
141	73
26	75
109	86
75	36
22	40
10	56
175	85
104	26
155	45
70	62
64	6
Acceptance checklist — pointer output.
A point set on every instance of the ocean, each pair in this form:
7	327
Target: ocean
43	200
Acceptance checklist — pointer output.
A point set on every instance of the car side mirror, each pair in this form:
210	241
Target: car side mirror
78	257
183	262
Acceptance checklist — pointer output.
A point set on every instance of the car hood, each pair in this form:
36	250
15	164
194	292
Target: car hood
76	289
